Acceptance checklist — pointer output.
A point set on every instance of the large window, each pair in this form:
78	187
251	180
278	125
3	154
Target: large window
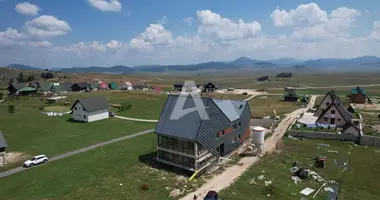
176	144
176	159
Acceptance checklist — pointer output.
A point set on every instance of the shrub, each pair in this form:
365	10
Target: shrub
11	108
1	95
125	106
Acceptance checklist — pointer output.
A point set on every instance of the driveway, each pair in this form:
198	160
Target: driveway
138	120
71	153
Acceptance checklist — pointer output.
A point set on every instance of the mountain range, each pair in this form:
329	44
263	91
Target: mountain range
242	62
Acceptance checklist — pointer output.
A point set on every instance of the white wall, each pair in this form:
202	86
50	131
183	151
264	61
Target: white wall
79	114
98	115
323	105
352	131
339	121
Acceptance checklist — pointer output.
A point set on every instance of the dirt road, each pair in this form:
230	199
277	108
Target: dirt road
231	174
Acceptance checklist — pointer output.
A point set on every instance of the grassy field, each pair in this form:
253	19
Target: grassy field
111	172
371	91
358	182
261	107
59	109
31	132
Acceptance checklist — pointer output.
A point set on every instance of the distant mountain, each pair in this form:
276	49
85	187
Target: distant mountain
119	69
22	67
285	61
248	62
336	62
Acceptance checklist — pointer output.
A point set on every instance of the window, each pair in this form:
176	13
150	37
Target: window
239	123
325	118
76	108
239	136
241	106
217	134
332	111
84	116
223	132
327	103
338	119
234	126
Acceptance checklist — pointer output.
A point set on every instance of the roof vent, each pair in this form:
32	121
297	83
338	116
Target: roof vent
241	106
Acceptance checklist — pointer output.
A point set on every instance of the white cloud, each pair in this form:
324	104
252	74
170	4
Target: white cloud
41	44
304	14
106	5
114	44
213	24
375	34
309	21
163	20
47	26
155	34
188	20
27	8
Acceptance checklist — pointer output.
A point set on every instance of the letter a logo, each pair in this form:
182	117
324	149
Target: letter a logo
189	88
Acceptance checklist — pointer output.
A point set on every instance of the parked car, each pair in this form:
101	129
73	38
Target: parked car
36	160
111	114
212	195
244	93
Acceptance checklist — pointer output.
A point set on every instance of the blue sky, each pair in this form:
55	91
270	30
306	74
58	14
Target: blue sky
65	33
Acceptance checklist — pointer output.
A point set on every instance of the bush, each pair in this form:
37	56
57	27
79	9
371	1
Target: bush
1	95
125	106
11	108
41	107
145	187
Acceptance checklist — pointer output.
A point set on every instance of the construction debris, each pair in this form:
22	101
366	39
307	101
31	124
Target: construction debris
296	179
252	181
332	151
319	190
307	191
261	177
267	183
325	145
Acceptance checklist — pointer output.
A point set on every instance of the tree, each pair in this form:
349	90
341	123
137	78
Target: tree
11	108
49	75
43	75
31	78
11	81
20	77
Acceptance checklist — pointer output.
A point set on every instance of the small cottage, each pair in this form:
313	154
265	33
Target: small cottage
113	86
58	89
67	86
290	95
90	109
209	87
102	86
26	91
350	128
14	87
358	95
3	146
127	86
81	86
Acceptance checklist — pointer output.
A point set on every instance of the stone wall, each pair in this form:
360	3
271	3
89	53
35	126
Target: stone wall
368	140
322	135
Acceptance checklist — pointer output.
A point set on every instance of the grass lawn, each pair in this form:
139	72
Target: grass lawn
360	181
261	107
59	109
96	174
29	131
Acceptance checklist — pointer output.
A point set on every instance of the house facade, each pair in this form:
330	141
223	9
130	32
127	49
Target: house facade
193	142
332	112
90	109
14	87
186	89
209	87
127	86
351	129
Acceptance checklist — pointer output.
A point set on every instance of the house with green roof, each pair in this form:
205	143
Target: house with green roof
58	89
358	95
113	86
94	86
27	91
14	87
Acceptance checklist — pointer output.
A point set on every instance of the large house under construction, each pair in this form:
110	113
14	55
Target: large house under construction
193	142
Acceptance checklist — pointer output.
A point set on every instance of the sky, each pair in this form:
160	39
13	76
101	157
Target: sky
73	33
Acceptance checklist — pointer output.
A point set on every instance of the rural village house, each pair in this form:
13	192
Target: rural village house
291	95
81	86
358	95
332	112
90	109
127	86
102	86
186	89
113	86
193	143
209	87
14	87
67	86
3	146
58	89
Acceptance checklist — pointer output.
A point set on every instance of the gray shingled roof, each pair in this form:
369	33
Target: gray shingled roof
348	125
347	116
3	143
187	127
93	103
